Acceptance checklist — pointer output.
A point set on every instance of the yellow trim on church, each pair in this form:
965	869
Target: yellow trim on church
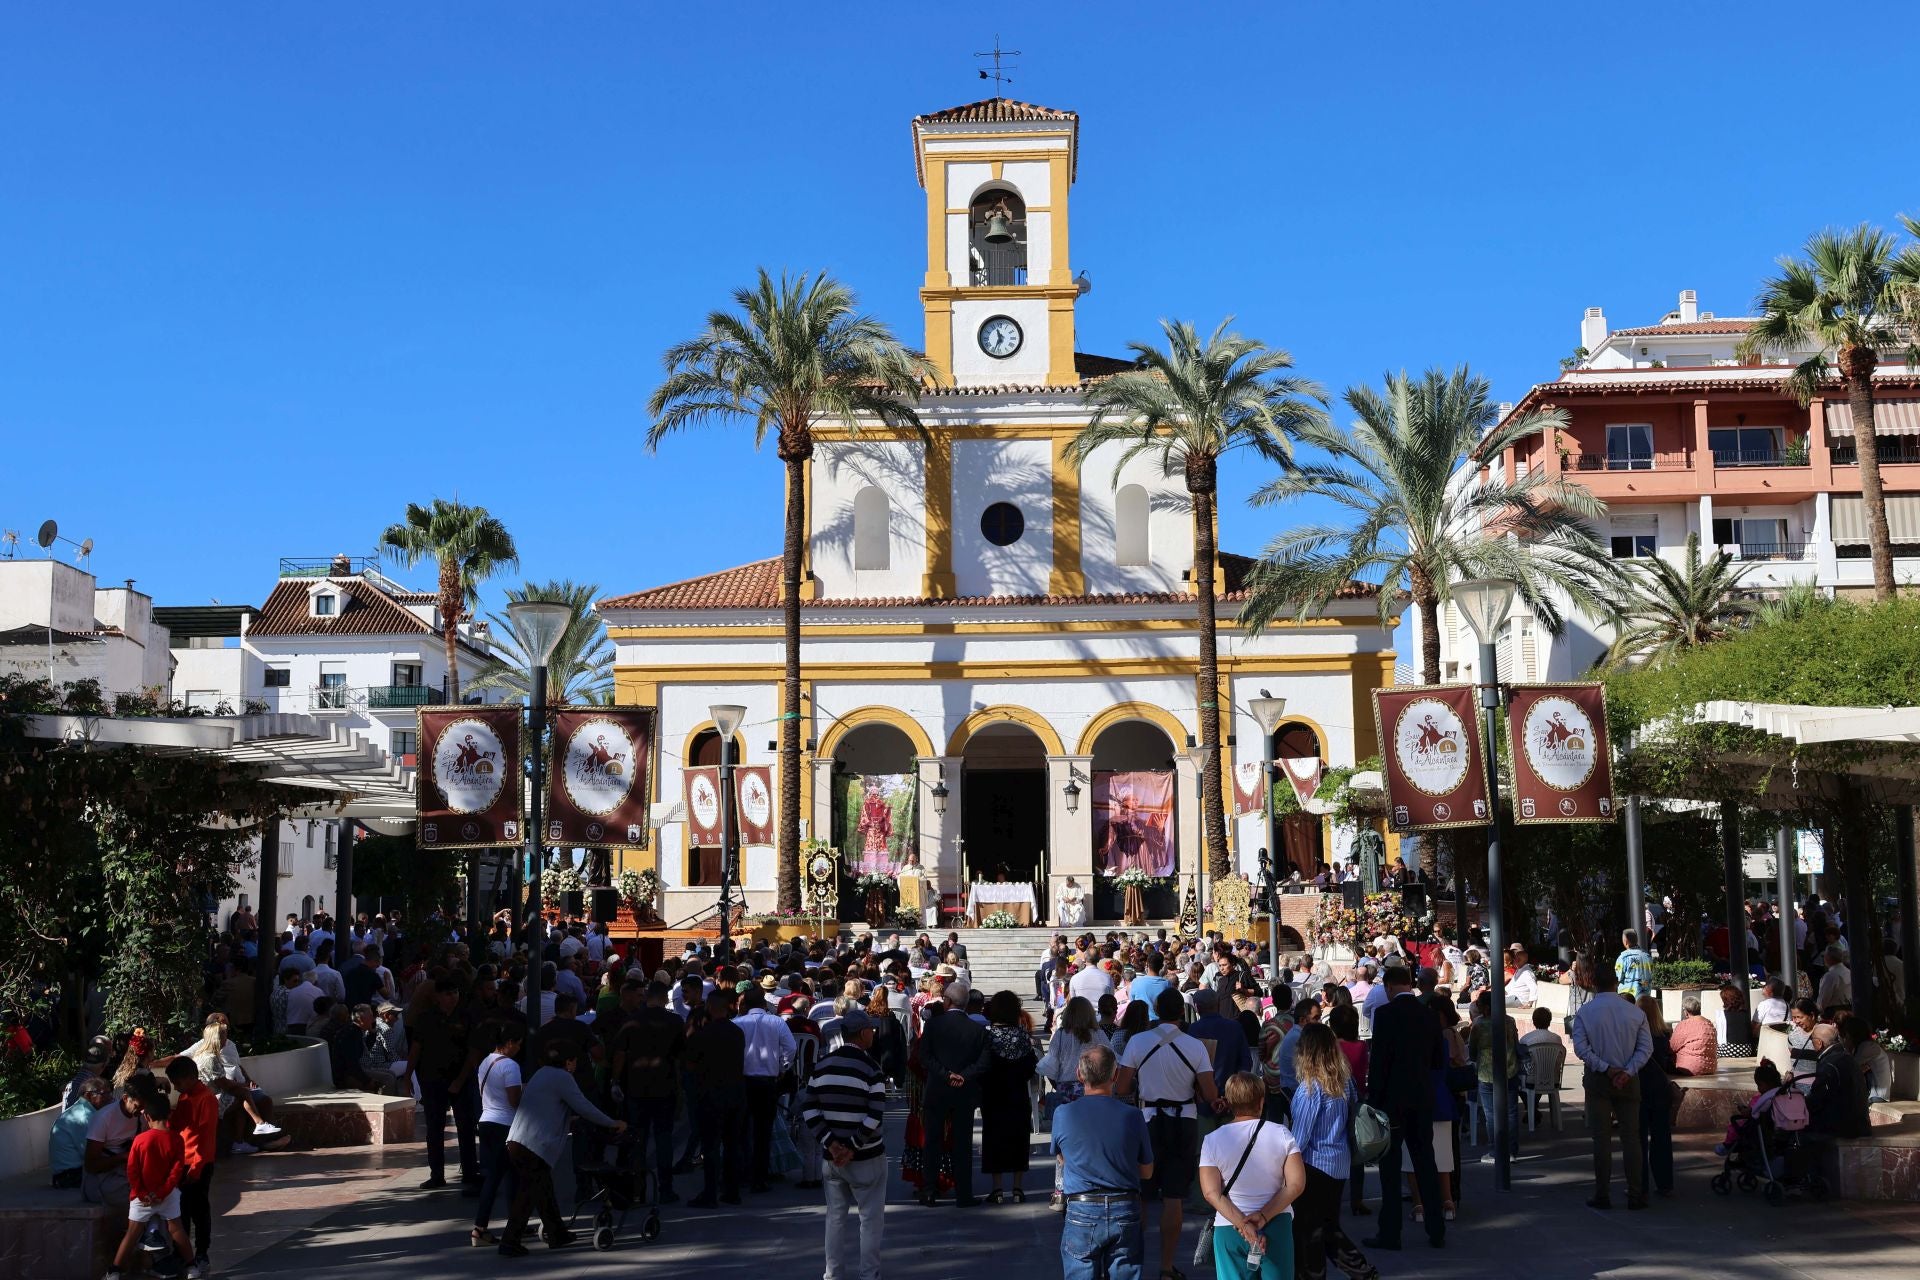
1005	713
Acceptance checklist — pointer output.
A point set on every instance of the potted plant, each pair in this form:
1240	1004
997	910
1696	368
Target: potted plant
638	890
1000	920
1133	884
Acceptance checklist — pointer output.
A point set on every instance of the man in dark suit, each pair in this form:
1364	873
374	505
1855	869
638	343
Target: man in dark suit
1406	1050
956	1052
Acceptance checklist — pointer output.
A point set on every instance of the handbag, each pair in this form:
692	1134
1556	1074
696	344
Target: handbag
1371	1132
1203	1247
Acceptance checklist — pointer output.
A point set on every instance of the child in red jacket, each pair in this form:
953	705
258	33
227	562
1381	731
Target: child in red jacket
156	1164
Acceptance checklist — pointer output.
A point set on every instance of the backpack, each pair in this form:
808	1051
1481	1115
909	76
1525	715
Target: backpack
1789	1111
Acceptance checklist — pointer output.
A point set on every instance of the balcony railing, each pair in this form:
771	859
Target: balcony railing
999	266
1766	550
385	696
1644	462
1894	449
1791	457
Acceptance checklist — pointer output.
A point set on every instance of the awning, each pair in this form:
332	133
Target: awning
1850	518
1877	752
1890	418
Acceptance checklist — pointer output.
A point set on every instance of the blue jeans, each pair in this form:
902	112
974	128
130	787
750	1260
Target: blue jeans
1104	1241
1230	1250
1487	1092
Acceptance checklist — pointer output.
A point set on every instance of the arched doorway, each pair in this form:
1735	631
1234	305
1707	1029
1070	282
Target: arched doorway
1003	806
874	758
1142	752
703	751
1301	834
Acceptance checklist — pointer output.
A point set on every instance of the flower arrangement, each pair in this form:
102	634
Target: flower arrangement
638	888
1000	920
1134	878
908	919
779	917
873	880
560	880
1892	1041
1336	924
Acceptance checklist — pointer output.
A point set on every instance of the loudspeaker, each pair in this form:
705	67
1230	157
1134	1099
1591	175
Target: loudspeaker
1413	898
606	905
1353	894
573	902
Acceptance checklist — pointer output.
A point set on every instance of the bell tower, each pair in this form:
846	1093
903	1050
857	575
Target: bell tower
999	296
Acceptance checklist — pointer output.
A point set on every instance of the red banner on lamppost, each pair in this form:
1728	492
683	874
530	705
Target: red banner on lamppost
598	788
1561	768
1434	758
1249	787
702	791
753	803
467	790
1304	772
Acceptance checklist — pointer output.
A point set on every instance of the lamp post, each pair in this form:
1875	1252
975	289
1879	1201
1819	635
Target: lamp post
1486	602
1268	710
1197	753
726	721
538	625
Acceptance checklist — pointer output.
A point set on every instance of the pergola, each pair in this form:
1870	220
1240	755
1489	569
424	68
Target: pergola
1796	753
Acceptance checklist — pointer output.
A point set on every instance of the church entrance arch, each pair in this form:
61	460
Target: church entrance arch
1135	815
1003	807
875	817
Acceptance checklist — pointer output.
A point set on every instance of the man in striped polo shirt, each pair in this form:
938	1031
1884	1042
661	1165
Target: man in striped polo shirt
844	1105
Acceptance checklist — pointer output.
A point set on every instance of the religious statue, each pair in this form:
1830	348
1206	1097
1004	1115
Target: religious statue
875	830
1073	906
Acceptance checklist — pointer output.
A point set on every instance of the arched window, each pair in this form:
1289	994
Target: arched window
871	515
997	238
1130	542
306	907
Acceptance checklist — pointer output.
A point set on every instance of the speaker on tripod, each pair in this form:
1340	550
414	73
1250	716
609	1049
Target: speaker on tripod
606	905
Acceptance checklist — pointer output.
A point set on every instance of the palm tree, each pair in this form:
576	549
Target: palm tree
1667	609
1191	404
1843	301
581	668
469	545
794	352
1418	522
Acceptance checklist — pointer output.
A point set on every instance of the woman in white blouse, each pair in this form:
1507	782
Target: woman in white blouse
1251	1172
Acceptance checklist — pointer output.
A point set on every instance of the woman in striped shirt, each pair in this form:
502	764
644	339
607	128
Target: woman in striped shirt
1322	1121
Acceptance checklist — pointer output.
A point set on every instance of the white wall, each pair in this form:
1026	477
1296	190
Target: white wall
303	873
990	471
1025	367
367	661
1169	521
842	470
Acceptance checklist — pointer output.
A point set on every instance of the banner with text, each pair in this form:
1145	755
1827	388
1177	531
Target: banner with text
701	788
1304	772
597	789
753	802
1435	760
1249	787
1561	768
468	789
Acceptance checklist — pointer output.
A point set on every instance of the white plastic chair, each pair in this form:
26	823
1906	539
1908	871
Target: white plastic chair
1543	1081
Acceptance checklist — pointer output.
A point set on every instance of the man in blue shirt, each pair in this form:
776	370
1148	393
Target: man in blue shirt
1104	1153
1148	986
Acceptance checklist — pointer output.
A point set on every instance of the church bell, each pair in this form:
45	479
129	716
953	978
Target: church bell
999	228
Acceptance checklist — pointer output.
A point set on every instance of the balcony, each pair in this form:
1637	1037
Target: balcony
1891	449
1752	551
998	266
384	697
1645	462
1793	456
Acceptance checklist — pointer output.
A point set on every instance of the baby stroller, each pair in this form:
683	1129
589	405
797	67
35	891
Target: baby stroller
605	1182
1773	1151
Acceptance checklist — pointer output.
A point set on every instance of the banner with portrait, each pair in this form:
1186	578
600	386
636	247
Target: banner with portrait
1249	787
1133	821
700	787
1304	773
1561	768
753	803
598	788
1433	757
876	820
467	793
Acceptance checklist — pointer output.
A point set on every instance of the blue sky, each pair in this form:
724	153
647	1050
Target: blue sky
267	273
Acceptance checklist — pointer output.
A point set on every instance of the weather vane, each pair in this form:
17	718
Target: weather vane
998	74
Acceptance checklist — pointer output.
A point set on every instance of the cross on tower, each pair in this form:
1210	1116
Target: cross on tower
998	74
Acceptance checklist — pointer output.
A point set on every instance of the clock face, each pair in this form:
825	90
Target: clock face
1000	337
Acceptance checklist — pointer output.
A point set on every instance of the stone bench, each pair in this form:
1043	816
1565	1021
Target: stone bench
1885	1164
1706	1102
345	1118
52	1234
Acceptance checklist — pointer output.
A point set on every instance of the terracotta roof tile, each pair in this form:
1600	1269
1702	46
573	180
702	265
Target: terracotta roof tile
757	586
1729	324
993	111
365	610
1090	367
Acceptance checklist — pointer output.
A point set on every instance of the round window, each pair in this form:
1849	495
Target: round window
1003	524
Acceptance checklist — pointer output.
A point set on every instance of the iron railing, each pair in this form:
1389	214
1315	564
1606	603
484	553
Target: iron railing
999	265
1768	550
1894	449
1642	462
1795	456
387	696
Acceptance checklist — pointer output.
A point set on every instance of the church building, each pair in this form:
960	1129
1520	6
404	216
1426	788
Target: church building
998	647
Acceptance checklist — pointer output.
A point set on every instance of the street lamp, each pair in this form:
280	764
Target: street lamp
1485	603
538	625
1197	753
1072	793
726	721
1267	710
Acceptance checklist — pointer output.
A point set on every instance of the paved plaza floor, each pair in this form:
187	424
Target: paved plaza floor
357	1215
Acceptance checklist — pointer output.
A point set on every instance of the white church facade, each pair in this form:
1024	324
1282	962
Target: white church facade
980	615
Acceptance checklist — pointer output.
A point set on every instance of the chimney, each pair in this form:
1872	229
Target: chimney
1689	306
1593	329
342	567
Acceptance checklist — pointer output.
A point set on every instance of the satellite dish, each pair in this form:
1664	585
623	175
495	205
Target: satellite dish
48	532
86	550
